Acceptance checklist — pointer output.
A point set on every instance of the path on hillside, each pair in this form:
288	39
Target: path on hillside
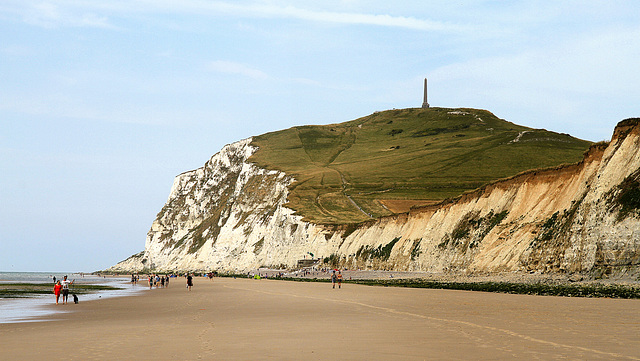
346	142
344	192
352	138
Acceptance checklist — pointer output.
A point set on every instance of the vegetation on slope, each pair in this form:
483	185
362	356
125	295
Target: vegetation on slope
378	164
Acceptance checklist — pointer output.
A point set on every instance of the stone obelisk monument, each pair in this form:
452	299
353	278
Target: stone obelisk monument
425	104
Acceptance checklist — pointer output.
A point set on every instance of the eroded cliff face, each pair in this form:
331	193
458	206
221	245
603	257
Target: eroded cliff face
227	215
582	218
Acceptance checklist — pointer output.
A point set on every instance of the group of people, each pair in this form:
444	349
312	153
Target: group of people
162	281
158	281
62	288
336	278
135	278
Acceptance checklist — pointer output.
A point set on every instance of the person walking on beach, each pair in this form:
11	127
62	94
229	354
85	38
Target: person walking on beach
333	279
339	279
65	289
189	281
57	289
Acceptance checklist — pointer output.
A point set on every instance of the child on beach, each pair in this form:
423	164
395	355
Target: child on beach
57	289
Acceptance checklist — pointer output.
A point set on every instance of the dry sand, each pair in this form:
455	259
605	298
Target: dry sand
242	319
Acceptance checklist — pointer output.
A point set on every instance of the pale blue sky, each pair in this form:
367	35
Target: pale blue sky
103	103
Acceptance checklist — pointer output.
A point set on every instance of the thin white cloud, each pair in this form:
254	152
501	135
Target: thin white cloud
351	18
42	14
93	20
59	14
260	9
56	14
228	67
83	13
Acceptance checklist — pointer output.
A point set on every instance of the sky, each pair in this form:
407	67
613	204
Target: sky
103	103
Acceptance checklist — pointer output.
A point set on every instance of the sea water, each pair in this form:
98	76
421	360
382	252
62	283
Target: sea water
33	307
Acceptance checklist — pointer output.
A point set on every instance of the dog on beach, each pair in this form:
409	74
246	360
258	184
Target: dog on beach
75	299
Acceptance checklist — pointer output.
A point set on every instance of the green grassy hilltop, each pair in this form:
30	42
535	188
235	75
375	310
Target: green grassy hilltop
391	160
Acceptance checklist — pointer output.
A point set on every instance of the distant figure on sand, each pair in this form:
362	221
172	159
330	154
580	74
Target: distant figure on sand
57	288
334	278
189	281
339	279
65	289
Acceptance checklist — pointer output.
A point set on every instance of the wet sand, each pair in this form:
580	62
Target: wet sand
242	319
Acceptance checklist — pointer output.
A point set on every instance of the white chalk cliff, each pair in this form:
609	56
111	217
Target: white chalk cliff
229	215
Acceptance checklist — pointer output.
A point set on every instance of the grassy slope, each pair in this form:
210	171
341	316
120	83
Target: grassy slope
344	170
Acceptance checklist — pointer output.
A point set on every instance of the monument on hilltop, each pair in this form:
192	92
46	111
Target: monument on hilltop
425	104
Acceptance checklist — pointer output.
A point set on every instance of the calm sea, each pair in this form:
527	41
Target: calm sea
29	309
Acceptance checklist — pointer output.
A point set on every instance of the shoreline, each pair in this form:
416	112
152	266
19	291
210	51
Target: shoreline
256	319
32	307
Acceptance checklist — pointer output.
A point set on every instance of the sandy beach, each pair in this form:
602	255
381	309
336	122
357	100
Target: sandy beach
243	319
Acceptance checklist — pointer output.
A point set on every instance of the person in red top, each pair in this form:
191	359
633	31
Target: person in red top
57	289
